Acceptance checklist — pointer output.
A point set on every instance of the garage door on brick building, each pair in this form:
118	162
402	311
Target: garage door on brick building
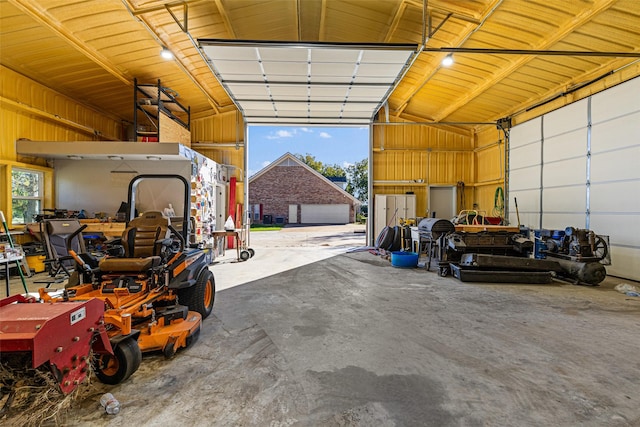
324	214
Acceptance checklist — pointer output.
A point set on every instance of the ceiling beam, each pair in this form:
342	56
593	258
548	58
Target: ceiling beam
225	19
462	37
164	6
395	22
471	17
37	13
576	22
323	20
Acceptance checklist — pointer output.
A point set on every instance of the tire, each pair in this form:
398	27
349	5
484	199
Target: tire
245	255
385	238
169	350
397	239
191	339
117	368
200	297
251	252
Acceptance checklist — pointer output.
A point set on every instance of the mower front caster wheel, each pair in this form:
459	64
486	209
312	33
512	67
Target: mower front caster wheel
124	362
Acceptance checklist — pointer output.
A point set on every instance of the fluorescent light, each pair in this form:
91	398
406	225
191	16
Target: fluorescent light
166	53
154	158
116	157
74	157
447	61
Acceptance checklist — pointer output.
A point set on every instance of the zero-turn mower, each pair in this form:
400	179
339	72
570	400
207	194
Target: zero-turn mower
156	290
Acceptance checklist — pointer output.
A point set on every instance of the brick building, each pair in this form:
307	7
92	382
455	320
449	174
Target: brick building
290	192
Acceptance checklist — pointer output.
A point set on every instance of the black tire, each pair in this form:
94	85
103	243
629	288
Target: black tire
201	296
244	255
385	238
117	368
191	339
169	350
251	252
397	239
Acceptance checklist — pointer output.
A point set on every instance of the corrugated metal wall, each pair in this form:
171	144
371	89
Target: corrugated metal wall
227	131
490	171
409	158
30	110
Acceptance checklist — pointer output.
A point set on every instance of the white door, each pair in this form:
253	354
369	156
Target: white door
324	214
442	202
293	214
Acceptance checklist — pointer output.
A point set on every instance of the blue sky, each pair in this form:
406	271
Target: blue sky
330	145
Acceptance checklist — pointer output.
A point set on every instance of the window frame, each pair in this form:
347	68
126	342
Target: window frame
41	189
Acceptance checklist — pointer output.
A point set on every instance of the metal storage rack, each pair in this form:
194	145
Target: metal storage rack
150	100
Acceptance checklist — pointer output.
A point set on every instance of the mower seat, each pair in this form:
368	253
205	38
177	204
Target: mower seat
142	240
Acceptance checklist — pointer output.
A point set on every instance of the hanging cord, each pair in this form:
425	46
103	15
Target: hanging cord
461	193
498	203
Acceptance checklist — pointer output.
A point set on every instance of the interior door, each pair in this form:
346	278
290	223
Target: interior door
442	202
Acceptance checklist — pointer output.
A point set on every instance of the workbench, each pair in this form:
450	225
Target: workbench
108	229
219	240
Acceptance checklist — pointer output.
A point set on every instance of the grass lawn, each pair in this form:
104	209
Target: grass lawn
266	227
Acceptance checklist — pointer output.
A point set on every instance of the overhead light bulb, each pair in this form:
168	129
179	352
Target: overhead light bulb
447	61
166	53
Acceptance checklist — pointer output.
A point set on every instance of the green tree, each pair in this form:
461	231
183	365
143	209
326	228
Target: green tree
326	170
358	180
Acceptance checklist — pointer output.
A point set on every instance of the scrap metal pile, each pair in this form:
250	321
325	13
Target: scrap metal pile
506	255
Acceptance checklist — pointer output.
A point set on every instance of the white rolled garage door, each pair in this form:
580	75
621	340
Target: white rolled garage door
324	214
578	166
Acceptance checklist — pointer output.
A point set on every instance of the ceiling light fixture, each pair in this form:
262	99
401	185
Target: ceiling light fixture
116	157
154	158
166	53
74	157
447	61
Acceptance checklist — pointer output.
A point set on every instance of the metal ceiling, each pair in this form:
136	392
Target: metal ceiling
308	83
91	50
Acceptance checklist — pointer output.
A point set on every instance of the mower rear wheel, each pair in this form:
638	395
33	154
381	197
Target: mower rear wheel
117	368
200	297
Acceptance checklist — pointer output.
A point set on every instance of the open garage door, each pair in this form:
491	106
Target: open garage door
324	214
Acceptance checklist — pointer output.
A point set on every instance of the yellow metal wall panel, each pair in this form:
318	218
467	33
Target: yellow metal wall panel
410	157
490	168
30	110
224	128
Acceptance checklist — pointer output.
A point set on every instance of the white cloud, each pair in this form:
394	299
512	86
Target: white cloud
346	164
282	133
266	163
324	135
306	130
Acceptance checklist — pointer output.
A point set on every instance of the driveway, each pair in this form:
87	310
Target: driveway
285	249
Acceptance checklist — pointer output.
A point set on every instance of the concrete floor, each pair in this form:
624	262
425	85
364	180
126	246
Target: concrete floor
307	334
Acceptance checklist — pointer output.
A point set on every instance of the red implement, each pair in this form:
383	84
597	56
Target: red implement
59	334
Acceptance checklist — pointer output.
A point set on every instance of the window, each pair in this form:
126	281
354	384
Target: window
26	194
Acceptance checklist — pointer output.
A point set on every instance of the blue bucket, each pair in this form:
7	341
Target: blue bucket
404	259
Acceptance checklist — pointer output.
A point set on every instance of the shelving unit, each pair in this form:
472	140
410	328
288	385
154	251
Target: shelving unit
152	104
